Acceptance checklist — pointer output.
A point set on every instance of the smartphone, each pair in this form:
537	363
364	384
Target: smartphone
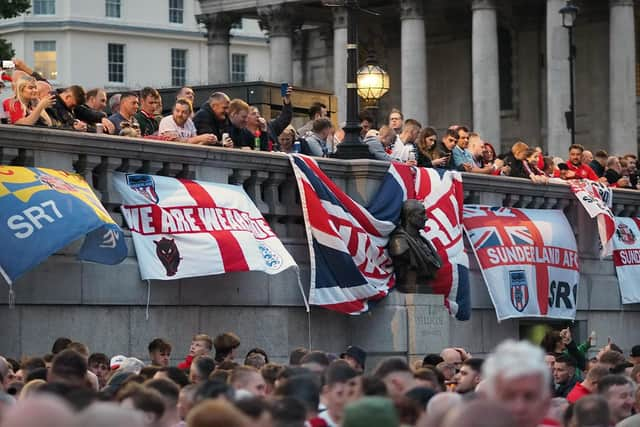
284	87
8	65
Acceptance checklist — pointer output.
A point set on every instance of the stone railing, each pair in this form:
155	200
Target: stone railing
267	177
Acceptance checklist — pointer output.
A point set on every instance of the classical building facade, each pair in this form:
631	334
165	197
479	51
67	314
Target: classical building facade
499	66
121	44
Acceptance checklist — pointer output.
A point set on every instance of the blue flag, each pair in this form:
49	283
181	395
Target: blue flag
42	211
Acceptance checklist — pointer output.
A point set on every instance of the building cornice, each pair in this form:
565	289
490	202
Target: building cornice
98	27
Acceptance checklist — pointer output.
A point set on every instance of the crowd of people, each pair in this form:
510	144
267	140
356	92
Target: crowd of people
233	123
518	384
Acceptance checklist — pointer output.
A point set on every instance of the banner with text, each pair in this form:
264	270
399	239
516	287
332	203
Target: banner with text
184	228
528	259
42	211
597	200
626	258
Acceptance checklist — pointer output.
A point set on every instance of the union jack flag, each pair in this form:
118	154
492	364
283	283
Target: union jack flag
350	266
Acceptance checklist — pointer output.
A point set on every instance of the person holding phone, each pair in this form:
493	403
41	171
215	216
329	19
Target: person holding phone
445	147
269	131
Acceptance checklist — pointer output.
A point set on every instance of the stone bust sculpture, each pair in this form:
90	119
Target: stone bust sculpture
415	260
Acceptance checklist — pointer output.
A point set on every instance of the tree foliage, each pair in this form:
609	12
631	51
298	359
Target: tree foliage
13	8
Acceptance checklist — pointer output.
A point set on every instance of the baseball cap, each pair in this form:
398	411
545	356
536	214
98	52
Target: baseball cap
635	351
116	361
357	353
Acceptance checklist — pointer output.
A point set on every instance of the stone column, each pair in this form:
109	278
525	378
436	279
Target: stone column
278	20
218	26
623	117
340	61
485	71
413	51
558	91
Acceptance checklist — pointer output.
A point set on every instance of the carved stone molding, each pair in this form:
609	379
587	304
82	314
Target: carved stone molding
339	17
279	20
218	26
483	4
629	3
411	9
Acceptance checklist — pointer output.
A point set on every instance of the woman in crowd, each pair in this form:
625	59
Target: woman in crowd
427	152
286	139
28	109
531	166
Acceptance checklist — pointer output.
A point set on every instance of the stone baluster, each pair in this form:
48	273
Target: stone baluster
85	165
8	155
511	201
271	196
253	186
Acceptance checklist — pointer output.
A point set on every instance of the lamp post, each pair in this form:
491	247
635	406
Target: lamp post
569	13
351	147
373	82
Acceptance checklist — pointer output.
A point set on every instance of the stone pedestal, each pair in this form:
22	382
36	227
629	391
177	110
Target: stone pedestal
623	116
414	61
558	90
486	82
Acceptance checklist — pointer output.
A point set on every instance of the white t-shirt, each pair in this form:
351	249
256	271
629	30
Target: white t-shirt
168	125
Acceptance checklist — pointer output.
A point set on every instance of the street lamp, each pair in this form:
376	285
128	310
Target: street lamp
351	147
569	14
373	82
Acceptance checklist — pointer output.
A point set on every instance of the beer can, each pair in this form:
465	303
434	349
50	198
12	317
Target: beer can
99	128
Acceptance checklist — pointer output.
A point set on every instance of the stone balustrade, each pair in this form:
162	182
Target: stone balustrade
71	297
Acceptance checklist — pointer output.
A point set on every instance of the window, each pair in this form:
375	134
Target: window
44	7
116	63
178	67
238	68
176	11
505	67
112	8
44	59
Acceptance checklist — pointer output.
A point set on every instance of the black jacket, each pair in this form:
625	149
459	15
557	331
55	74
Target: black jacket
90	116
444	151
517	167
205	122
243	137
61	115
562	390
597	167
277	125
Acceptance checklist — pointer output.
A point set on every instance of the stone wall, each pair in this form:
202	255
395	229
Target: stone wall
104	306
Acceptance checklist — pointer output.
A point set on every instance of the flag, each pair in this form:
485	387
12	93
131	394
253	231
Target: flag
528	259
42	211
184	228
597	200
626	258
350	264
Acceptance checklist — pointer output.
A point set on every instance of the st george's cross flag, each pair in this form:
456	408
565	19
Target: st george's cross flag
528	259
184	228
42	211
626	258
350	265
597	199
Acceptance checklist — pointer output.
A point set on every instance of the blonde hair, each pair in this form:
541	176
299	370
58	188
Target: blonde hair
24	103
237	105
